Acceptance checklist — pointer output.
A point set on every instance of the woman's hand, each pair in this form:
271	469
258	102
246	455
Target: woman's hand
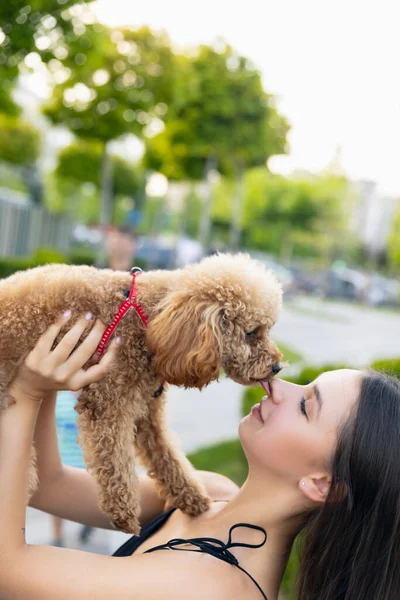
46	370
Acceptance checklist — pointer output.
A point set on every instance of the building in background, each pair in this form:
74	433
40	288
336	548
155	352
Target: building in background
373	217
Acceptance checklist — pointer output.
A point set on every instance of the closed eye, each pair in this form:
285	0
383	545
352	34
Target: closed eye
303	407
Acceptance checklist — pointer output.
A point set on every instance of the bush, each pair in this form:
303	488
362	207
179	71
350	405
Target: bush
82	256
8	266
19	141
46	256
42	256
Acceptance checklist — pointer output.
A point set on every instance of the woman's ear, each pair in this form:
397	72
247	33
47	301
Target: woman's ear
316	487
186	340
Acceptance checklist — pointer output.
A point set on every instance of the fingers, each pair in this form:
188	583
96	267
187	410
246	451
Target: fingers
64	348
46	340
96	372
85	351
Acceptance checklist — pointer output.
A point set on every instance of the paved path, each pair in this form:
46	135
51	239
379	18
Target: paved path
322	332
337	332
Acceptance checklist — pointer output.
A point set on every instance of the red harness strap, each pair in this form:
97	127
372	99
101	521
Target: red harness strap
130	302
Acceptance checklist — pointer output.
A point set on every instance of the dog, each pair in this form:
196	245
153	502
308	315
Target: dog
188	325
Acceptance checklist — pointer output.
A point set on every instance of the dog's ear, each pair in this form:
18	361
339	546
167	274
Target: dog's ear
185	338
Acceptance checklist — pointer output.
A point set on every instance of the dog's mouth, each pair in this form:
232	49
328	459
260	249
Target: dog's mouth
265	384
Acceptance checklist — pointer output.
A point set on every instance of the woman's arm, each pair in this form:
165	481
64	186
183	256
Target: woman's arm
72	493
40	573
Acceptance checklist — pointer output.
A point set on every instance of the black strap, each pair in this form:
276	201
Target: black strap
216	548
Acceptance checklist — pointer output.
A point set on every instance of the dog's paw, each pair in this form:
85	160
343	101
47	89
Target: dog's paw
130	525
192	504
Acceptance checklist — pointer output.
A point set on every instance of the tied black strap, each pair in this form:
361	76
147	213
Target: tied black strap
216	548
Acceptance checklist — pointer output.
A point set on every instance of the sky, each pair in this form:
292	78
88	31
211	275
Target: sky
332	64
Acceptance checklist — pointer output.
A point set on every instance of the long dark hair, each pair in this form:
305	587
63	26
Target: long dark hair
351	548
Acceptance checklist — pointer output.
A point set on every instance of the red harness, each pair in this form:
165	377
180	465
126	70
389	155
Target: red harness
130	302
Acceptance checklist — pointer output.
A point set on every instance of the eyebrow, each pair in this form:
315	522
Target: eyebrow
319	399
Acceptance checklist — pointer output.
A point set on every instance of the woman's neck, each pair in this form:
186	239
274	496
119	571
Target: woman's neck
272	507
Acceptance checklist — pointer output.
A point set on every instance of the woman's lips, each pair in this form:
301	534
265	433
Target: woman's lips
256	413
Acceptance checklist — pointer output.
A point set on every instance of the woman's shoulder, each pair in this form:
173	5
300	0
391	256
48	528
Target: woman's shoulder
219	487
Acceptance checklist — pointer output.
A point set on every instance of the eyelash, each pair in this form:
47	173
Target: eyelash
303	407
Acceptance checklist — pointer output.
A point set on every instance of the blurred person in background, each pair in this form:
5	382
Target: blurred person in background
120	245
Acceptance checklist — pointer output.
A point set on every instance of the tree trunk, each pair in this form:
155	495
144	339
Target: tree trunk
237	209
206	217
32	179
106	202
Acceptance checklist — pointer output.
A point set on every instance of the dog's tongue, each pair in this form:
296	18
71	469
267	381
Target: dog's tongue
266	387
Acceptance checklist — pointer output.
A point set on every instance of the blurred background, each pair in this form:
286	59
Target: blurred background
159	133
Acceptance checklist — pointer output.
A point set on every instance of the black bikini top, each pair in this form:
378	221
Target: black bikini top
206	545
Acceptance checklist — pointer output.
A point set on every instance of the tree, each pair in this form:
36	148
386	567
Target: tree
20	146
287	215
115	82
81	163
219	112
219	109
38	26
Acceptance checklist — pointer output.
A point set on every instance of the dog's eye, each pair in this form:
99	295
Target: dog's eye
252	334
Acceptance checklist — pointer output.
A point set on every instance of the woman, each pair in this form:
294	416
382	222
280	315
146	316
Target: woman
326	455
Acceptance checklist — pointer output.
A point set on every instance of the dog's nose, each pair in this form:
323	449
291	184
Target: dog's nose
276	368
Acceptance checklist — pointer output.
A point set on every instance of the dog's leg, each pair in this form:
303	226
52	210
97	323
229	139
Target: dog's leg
176	478
106	425
5	399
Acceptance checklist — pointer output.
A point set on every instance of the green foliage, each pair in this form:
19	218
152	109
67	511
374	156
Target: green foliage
7	104
10	177
390	366
219	109
23	23
394	241
82	161
19	141
82	256
9	266
116	82
46	256
287	216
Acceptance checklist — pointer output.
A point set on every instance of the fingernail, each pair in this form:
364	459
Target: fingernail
88	316
67	314
118	341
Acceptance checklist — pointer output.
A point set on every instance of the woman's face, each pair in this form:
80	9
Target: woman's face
294	432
